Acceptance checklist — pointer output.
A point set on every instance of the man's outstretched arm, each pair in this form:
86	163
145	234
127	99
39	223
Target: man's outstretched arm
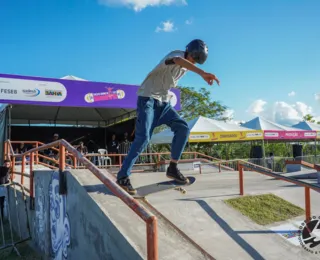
208	77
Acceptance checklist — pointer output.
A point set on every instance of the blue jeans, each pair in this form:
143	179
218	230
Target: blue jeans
150	114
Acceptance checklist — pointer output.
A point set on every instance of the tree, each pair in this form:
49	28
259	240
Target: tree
309	118
198	103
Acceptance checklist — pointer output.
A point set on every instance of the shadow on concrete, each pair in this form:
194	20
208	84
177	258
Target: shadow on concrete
291	186
225	226
215	196
267	232
99	188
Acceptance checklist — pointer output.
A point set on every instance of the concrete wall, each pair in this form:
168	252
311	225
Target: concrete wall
71	226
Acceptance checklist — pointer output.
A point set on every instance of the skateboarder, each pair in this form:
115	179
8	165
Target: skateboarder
154	108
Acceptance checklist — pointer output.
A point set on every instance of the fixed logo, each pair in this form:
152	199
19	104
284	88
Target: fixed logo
31	92
8	91
309	235
53	93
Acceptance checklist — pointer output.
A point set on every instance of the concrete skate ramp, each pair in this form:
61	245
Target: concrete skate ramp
172	245
91	223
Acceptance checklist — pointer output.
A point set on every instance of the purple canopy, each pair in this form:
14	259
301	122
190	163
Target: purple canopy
65	101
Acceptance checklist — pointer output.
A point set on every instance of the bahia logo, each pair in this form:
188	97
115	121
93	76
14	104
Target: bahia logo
31	92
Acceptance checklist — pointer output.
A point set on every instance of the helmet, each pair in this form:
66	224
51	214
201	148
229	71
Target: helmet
198	50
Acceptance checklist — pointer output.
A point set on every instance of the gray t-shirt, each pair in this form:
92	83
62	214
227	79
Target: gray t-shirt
163	77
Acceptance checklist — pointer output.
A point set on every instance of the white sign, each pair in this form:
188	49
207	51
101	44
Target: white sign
31	90
202	137
272	134
310	134
254	134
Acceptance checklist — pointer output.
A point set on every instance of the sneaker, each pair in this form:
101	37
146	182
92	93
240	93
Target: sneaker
125	184
174	173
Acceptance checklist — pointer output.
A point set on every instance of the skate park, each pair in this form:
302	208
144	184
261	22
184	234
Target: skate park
74	209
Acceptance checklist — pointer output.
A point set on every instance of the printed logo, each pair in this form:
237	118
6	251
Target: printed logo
310	134
271	134
201	137
294	134
8	91
53	93
309	235
104	96
31	92
254	134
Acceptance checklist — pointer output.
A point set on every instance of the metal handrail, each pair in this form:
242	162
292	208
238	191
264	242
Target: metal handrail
142	212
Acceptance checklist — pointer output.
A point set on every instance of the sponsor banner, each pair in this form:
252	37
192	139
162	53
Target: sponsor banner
226	136
71	93
318	135
289	135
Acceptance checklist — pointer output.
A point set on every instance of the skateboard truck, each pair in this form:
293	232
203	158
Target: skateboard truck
182	190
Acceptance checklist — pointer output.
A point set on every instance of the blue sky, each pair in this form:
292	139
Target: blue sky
262	51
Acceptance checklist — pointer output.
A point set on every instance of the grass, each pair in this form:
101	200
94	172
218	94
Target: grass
26	252
265	209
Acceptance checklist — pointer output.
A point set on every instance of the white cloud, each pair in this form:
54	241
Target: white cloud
257	107
189	21
138	5
302	108
281	112
285	113
229	113
166	26
317	96
291	94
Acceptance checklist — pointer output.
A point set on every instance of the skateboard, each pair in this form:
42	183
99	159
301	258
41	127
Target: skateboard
144	191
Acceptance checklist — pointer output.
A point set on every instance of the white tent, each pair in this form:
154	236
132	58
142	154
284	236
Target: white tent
260	123
71	77
204	126
307	126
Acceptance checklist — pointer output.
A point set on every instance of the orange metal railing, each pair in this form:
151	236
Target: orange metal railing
142	212
304	163
156	157
242	165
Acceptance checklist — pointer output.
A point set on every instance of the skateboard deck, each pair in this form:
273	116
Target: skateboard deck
144	191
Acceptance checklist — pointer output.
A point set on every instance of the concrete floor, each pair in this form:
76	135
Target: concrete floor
201	213
219	229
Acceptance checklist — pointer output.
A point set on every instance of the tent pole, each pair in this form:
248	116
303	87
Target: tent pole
9	122
263	150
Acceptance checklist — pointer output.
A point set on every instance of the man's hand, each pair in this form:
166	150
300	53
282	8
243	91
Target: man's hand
209	78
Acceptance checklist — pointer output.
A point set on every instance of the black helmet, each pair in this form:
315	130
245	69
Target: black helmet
198	50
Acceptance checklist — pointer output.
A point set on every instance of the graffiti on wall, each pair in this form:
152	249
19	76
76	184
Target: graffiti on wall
59	220
41	216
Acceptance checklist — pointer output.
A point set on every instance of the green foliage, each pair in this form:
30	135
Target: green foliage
198	103
265	209
309	118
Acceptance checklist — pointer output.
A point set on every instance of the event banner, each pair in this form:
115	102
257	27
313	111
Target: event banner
289	135
226	136
71	93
